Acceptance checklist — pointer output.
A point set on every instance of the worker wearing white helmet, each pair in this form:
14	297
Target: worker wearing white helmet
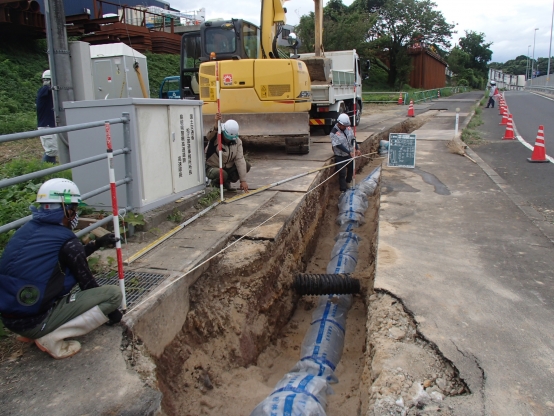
345	147
235	167
493	94
46	118
41	264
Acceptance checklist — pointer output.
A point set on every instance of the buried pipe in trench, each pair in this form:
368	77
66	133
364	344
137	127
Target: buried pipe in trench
304	389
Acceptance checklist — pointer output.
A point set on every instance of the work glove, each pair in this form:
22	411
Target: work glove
115	317
107	240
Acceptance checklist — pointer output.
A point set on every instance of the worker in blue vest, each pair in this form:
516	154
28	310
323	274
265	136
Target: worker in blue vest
42	262
345	148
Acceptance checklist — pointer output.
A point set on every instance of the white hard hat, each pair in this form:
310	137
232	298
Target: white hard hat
230	129
344	120
46	74
493	82
58	191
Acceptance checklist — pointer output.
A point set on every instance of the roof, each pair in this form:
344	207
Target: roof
114	49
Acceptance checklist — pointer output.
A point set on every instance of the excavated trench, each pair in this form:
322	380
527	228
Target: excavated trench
245	325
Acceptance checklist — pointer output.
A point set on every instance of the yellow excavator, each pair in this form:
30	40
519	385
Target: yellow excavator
268	95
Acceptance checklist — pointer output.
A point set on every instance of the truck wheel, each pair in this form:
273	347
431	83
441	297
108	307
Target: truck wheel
297	145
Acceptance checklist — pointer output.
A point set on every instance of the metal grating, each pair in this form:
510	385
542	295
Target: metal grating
137	284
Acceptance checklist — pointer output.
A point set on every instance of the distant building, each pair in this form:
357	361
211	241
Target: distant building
74	7
429	69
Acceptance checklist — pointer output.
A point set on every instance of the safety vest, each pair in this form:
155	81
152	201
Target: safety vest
31	278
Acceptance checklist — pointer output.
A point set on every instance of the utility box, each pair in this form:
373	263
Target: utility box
167	150
114	73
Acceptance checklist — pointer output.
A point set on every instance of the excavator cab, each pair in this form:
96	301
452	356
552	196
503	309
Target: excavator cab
217	40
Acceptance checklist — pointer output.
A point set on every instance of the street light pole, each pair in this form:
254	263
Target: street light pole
550	48
533	61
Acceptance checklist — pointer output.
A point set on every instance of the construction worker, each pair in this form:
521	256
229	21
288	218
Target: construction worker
42	262
45	118
235	167
493	94
345	147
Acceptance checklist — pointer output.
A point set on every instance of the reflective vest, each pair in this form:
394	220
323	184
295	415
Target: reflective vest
31	277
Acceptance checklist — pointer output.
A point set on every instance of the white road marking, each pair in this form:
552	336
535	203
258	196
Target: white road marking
522	140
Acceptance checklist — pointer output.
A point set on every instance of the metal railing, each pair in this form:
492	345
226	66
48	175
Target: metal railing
416	96
541	88
124	120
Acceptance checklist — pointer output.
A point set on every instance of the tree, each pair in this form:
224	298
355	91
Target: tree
479	53
399	23
343	29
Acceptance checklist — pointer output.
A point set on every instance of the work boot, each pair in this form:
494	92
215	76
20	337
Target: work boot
349	185
227	186
54	343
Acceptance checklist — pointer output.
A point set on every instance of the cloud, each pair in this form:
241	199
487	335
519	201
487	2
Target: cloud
508	24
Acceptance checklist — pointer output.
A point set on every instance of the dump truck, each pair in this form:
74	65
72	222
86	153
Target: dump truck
336	81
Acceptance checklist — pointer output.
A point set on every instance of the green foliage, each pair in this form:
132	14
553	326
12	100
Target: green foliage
159	67
479	54
175	216
402	22
212	195
134	219
21	65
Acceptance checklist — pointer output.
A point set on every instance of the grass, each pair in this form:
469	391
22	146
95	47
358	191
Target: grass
211	195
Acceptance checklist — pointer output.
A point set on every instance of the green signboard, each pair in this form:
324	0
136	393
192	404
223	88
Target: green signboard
402	150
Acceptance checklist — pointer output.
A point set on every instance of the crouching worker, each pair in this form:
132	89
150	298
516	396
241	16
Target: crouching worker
235	167
42	262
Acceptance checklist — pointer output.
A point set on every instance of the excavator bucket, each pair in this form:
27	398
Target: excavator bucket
291	129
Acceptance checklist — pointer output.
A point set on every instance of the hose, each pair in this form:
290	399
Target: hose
326	284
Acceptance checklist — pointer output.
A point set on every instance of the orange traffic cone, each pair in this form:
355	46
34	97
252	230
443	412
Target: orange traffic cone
411	112
400	101
504	121
501	107
539	151
438	93
509	135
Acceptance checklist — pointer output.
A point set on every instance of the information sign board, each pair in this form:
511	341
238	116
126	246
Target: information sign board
402	150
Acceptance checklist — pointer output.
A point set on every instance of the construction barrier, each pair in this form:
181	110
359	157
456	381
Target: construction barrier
539	151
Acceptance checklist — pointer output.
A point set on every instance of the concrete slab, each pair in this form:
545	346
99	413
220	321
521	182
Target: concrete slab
96	381
265	172
285	202
320	151
475	273
451	114
183	251
434	134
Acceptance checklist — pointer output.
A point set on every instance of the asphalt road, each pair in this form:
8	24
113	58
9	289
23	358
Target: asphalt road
533	181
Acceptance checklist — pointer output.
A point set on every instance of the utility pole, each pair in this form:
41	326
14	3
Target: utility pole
527	66
58	58
318	17
550	48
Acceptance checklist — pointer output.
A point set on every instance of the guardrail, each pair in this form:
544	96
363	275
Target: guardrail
124	120
416	96
541	88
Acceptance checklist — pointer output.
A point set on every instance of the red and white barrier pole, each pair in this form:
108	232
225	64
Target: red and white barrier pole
354	118
219	144
115	212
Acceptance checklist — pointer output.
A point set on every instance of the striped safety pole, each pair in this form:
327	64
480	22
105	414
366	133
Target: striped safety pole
219	144
355	113
115	212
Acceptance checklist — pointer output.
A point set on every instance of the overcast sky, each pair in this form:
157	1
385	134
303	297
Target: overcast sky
508	24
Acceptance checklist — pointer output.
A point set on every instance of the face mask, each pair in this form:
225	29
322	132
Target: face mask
75	221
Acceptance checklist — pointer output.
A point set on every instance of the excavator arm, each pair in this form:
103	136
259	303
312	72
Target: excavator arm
271	20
